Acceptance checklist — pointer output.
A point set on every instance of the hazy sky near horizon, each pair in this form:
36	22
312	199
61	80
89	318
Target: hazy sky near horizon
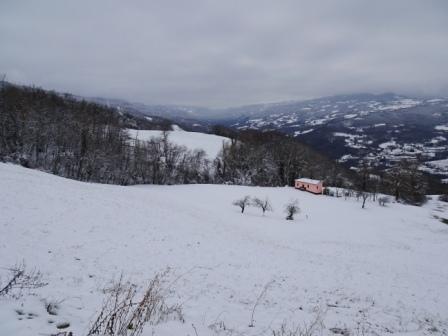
226	53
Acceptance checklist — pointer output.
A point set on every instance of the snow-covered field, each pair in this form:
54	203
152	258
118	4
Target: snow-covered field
377	271
210	143
442	128
436	167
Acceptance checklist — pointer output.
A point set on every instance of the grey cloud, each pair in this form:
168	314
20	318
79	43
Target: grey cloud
222	53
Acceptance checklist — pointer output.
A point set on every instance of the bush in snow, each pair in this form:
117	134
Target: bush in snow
19	280
125	313
242	203
291	209
264	205
383	200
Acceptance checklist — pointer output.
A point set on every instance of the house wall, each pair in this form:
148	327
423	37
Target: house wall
314	188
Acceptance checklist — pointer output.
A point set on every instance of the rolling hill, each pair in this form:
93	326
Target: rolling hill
349	269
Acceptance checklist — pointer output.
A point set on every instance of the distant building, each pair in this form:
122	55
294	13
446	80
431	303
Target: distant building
306	184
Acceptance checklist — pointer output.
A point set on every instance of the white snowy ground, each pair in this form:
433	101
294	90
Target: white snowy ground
210	143
377	271
436	167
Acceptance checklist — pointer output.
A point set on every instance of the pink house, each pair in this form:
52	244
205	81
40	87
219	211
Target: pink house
313	186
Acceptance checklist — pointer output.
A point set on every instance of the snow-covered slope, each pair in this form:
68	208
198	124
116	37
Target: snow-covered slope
381	269
210	143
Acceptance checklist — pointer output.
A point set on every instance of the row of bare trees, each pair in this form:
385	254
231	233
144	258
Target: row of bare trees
291	209
263	204
404	181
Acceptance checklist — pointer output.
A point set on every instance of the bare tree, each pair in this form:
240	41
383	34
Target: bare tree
364	181
291	209
406	182
264	205
364	195
242	203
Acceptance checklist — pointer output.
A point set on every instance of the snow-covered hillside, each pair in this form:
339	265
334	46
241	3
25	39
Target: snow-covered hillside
439	167
356	127
377	271
210	143
410	126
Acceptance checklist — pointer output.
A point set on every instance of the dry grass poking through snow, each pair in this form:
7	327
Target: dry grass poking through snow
125	313
20	280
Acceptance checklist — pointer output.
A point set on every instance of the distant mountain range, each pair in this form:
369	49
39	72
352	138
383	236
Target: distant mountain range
190	117
382	128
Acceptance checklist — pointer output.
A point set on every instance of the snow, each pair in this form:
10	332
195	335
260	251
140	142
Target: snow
387	144
148	118
400	104
394	151
441	128
176	127
316	122
296	133
341	134
210	143
352	140
346	157
437	140
382	269
307	180
439	163
439	167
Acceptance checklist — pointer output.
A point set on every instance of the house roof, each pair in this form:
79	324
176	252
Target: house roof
307	180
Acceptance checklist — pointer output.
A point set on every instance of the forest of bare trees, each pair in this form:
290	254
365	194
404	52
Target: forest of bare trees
87	142
273	159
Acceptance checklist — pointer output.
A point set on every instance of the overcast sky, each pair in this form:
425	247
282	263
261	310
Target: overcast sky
226	52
